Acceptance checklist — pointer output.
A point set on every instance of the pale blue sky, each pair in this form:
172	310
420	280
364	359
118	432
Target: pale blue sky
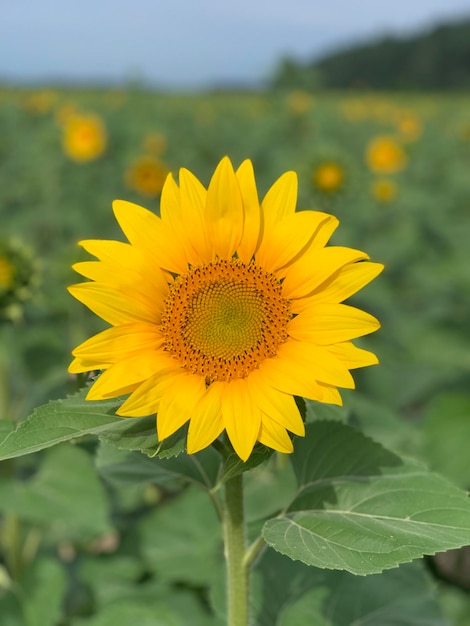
191	43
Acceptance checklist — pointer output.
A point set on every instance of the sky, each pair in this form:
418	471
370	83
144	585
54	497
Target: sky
192	44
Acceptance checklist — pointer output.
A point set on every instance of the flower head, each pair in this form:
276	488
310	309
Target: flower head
84	137
384	190
146	175
223	310
328	177
18	278
385	155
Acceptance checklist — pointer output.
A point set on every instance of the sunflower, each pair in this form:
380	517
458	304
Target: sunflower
384	190
146	175
7	272
223	310
84	137
18	278
328	177
385	155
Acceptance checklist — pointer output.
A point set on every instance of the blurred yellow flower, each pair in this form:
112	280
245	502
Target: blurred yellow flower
65	112
40	102
409	125
224	309
328	177
6	274
299	102
154	143
18	278
146	175
384	190
84	137
385	155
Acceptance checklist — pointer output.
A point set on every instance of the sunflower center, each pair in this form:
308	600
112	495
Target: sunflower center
221	320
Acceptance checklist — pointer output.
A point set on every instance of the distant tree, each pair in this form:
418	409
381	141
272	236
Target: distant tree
437	59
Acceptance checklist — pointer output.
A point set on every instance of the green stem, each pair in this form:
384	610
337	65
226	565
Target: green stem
234	538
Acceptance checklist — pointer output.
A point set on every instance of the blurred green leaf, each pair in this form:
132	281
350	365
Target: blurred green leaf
65	495
36	599
446	429
362	509
181	539
291	594
123	466
132	613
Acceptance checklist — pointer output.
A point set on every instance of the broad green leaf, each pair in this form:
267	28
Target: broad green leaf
58	421
121	579
291	594
446	427
363	509
131	613
124	466
73	417
36	598
65	495
181	540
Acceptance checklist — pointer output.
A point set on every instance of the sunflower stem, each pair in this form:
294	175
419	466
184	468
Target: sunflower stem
235	546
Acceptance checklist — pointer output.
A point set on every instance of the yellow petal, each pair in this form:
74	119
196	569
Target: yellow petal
119	377
78	366
314	267
279	406
341	285
122	258
206	424
147	232
178	402
291	378
193	203
352	356
274	436
170	204
224	211
252	224
120	342
331	395
317	361
145	399
286	239
125	281
242	418
281	200
113	305
322	236
324	324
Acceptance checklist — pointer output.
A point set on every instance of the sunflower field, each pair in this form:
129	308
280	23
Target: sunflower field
101	524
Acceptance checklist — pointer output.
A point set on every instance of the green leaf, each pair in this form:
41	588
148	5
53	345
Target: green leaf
291	594
131	613
446	428
74	417
363	509
181	540
123	466
233	465
65	495
36	599
58	421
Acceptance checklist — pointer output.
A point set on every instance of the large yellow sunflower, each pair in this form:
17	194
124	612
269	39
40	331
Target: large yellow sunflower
223	309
